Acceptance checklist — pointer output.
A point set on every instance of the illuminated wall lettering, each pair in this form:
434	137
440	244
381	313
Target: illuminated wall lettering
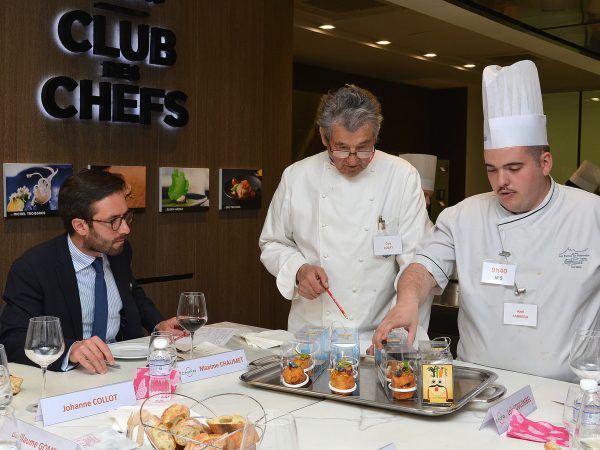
81	33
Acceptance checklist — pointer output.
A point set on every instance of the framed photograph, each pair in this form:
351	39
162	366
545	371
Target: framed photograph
240	188
135	178
31	189
183	189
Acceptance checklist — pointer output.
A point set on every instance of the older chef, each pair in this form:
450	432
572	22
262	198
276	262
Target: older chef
347	219
527	254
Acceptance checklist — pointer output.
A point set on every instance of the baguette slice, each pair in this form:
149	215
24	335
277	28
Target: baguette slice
226	424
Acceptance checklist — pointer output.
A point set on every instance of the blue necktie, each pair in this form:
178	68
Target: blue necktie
100	301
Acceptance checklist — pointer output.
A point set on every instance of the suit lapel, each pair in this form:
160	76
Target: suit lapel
67	279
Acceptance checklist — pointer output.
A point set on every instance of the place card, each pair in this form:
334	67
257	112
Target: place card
212	366
32	437
500	412
62	408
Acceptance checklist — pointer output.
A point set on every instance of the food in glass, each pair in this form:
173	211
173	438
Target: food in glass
293	374
341	377
402	380
304	360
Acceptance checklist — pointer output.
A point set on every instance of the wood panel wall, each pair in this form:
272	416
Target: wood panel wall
235	64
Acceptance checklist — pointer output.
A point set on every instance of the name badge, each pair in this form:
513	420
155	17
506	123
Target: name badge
494	272
387	245
523	314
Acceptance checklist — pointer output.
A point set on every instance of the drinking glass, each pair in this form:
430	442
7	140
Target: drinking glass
280	432
9	433
191	313
585	354
5	386
571	408
43	345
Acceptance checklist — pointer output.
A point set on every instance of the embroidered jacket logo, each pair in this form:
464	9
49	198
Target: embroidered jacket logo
575	259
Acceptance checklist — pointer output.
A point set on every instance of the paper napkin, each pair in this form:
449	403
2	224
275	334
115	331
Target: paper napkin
522	428
268	338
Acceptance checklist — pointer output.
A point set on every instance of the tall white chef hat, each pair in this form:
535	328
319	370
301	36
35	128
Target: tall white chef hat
425	165
513	114
587	176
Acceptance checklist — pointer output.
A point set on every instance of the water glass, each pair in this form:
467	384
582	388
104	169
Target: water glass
571	408
9	432
5	386
280	432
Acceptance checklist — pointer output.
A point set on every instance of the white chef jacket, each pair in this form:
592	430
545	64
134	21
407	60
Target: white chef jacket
321	217
556	248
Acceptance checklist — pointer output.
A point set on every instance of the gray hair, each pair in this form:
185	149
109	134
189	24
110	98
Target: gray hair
351	107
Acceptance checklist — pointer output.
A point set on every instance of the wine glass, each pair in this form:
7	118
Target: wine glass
585	354
191	313
43	345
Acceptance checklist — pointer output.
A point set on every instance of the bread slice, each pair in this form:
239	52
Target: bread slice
226	424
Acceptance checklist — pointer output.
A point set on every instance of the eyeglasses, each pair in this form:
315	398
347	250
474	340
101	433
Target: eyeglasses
115	223
361	152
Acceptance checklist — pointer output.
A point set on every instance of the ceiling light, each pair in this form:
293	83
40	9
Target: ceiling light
327	27
383	42
468	66
429	55
595	99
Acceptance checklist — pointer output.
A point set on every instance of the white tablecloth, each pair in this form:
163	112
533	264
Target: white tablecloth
322	424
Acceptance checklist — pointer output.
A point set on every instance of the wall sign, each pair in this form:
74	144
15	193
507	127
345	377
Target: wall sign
81	33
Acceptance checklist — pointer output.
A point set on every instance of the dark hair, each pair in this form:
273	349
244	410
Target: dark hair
350	106
79	192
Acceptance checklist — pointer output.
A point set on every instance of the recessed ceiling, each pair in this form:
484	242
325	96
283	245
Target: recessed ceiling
413	30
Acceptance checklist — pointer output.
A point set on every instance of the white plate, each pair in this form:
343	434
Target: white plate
296	385
129	350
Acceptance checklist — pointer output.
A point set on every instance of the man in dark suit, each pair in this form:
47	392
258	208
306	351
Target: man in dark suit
61	278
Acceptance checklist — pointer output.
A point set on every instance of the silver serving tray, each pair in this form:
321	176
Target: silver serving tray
469	383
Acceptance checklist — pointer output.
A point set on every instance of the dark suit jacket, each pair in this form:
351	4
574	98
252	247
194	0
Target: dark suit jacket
42	282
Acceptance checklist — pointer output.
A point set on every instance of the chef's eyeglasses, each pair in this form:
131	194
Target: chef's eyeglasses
116	223
362	152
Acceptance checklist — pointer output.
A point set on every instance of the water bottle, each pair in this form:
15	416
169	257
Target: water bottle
159	364
587	428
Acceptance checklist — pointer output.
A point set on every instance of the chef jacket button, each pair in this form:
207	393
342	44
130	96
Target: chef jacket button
323	225
325	255
324	195
372	170
366	228
360	260
354	289
328	313
371	199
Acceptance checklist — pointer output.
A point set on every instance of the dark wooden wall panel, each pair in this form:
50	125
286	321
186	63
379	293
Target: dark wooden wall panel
235	63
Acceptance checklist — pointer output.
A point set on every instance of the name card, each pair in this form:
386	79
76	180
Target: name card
62	408
391	446
212	366
32	437
521	400
387	245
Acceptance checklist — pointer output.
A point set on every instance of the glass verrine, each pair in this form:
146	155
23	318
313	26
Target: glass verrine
584	358
43	345
191	314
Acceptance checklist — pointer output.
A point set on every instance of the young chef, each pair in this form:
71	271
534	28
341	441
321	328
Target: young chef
527	254
325	225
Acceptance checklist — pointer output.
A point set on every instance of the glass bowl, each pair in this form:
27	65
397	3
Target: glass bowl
221	422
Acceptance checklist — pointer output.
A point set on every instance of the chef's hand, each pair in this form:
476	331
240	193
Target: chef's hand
312	281
92	354
171	325
405	315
